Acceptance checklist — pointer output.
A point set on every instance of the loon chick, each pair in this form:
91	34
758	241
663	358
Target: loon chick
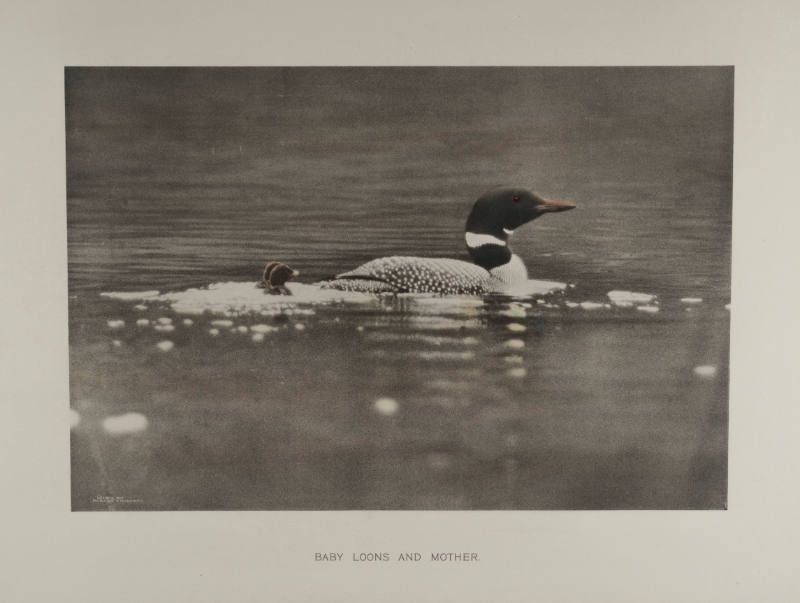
493	218
275	276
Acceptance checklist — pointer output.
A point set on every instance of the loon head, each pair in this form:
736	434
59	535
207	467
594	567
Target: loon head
496	215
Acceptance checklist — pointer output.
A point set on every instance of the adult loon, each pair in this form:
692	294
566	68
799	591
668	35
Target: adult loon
494	217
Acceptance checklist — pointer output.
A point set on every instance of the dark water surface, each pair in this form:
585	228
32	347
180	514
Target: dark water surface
181	178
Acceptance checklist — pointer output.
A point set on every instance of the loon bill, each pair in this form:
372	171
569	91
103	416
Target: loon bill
494	217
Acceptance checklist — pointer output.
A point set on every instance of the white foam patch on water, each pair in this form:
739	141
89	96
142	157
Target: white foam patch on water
587	305
164	320
213	332
513	359
142	322
242	329
131	422
299	326
692	300
534	287
258	337
115	324
140	307
649	309
706	370
74	418
164	328
629	298
231	298
514	344
132	295
386	406
116	343
223	322
188	322
165	346
515	327
517	372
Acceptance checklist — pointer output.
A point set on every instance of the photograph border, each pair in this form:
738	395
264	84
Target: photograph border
738	554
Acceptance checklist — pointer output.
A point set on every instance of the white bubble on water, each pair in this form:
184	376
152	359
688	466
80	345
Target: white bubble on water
386	406
130	422
705	370
627	298
262	328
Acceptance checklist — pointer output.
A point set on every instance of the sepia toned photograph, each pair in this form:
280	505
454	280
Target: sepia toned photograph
398	288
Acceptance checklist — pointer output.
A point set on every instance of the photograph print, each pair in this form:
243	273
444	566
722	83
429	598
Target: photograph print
405	288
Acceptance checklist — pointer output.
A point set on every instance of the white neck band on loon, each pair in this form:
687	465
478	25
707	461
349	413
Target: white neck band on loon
487	250
476	240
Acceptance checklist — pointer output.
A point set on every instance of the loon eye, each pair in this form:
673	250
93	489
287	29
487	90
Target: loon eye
515	198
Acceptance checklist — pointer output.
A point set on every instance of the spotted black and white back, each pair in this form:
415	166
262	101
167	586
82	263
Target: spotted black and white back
406	274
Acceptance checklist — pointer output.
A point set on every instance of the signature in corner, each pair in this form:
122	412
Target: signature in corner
106	499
